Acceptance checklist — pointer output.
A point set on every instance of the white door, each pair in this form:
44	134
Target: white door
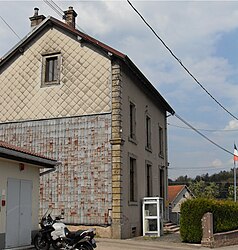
19	213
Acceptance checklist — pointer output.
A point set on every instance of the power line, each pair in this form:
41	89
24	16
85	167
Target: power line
60	12
55	7
10	27
196	168
207	130
201	134
180	62
189	125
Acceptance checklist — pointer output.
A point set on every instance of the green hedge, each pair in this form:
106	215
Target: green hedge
225	217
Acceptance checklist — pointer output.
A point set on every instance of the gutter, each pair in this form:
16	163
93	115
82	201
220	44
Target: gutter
48	171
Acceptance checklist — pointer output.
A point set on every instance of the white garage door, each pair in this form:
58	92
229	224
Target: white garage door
19	213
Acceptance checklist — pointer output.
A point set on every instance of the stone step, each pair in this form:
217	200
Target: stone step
171	228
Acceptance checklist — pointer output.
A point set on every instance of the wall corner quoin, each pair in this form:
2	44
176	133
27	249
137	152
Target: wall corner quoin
117	143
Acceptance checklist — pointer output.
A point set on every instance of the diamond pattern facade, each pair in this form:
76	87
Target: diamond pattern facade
84	81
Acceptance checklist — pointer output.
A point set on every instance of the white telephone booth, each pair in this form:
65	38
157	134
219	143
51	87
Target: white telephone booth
152	211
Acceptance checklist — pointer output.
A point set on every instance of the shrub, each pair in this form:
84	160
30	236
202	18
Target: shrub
225	217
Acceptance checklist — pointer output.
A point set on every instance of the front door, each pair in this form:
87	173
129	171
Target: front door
19	215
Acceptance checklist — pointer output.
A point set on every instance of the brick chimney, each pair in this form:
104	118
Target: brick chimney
36	19
70	16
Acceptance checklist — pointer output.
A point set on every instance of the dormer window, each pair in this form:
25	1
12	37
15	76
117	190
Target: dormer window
51	69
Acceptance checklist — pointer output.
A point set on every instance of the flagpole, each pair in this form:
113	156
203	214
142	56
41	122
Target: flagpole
235	159
235	181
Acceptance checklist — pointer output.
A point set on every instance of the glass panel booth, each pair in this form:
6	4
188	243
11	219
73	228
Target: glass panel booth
152	211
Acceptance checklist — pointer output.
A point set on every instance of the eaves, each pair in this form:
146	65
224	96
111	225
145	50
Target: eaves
12	152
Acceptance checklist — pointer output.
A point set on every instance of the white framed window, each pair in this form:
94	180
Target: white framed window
51	64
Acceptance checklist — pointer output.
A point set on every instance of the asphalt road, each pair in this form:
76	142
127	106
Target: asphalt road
109	244
167	242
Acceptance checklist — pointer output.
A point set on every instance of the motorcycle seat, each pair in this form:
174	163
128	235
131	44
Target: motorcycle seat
73	234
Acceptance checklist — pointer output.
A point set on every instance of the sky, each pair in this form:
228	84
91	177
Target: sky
202	34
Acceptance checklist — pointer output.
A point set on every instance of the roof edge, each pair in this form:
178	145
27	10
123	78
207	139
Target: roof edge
20	154
150	86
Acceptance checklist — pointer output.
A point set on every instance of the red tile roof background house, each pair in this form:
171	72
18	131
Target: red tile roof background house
173	191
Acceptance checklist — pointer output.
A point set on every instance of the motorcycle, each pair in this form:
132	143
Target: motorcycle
54	232
80	240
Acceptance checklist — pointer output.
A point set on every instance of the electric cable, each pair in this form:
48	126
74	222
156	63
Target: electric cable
201	134
10	27
58	12
180	62
196	168
56	6
206	130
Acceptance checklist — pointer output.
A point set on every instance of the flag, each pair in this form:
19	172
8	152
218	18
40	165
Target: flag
235	153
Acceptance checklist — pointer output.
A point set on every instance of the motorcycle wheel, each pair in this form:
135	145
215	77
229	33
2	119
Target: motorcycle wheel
84	247
57	244
41	243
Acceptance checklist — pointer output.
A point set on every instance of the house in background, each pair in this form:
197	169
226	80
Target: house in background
177	194
66	95
19	194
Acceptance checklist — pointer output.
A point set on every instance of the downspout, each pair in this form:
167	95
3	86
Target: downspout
51	170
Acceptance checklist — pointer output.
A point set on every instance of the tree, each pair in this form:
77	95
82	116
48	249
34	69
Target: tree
204	190
230	195
223	180
182	180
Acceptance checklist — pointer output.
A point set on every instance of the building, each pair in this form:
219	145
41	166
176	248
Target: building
67	95
177	194
19	194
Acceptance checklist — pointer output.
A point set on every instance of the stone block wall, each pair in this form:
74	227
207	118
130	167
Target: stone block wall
212	240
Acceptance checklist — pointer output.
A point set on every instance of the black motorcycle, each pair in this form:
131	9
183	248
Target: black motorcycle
54	232
43	239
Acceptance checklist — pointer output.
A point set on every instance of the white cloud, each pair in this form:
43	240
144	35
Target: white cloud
216	163
233	124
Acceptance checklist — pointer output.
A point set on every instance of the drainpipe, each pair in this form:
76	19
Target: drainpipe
51	170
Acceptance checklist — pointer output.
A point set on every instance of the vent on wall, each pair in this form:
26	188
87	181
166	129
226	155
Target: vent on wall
133	232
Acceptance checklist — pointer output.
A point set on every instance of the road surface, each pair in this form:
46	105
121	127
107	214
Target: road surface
109	244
